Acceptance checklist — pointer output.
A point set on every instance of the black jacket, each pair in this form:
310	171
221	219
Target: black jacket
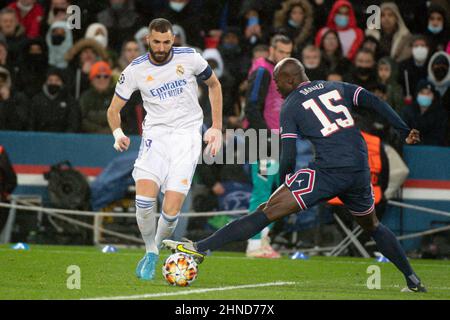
55	114
15	113
432	124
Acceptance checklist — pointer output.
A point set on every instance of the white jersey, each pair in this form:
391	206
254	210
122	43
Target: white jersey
169	90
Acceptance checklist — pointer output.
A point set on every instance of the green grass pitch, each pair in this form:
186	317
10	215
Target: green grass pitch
41	273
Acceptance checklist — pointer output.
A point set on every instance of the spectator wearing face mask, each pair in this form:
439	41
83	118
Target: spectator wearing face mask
412	70
57	11
121	20
29	14
363	72
427	115
295	18
188	14
387	75
59	41
14	105
13	31
438	30
99	33
54	109
342	19
95	101
314	66
32	67
439	76
394	36
230	48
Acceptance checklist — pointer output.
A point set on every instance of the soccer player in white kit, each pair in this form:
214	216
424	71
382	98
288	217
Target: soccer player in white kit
171	139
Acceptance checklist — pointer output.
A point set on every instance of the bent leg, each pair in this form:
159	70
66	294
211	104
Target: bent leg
388	245
279	205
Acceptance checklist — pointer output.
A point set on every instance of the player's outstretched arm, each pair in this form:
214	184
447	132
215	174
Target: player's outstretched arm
367	99
122	142
213	135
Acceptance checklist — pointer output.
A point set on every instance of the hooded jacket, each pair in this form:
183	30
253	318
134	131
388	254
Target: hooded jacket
303	32
438	41
401	41
214	54
79	81
351	36
92	29
442	85
32	68
56	52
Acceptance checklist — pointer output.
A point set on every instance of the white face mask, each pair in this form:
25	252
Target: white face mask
102	40
420	53
177	6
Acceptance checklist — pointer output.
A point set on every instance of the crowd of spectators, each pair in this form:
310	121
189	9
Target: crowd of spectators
55	78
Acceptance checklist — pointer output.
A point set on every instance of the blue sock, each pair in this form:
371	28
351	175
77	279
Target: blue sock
238	230
391	249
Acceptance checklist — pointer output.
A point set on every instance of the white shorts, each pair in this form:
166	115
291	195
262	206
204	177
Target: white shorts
168	158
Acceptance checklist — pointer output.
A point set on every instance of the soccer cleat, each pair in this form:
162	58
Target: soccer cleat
185	247
419	288
266	252
145	269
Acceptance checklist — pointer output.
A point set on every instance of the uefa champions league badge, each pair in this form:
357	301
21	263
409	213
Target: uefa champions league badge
109	249
20	246
299	256
381	258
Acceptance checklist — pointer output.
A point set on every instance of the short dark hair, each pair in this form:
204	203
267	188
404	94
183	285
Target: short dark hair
280	38
161	25
366	51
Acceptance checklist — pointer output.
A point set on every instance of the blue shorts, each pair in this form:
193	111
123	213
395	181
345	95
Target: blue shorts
312	185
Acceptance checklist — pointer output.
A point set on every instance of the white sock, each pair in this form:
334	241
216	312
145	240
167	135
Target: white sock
145	216
166	227
253	244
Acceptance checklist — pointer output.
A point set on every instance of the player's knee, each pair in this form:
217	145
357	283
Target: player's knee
171	209
369	224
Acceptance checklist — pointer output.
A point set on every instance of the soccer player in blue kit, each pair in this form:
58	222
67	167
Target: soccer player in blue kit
321	112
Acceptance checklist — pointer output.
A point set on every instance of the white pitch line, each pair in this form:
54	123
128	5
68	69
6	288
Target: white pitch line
187	292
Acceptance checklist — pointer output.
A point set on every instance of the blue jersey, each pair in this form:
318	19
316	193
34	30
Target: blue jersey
321	111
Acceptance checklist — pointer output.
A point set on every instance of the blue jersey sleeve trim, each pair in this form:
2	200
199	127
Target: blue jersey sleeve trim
255	89
205	74
125	99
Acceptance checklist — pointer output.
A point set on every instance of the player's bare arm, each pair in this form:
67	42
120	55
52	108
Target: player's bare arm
213	135
122	142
